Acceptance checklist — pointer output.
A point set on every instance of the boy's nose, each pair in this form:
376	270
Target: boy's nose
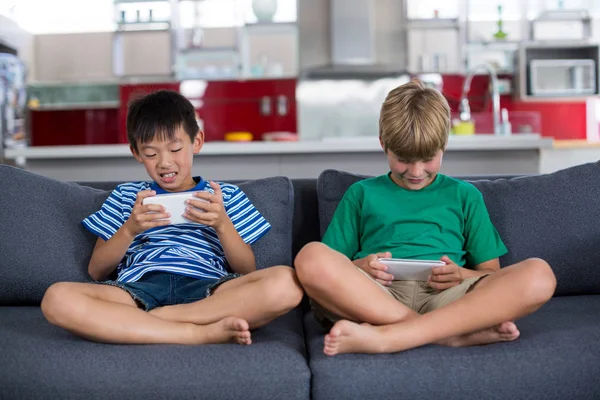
165	161
415	170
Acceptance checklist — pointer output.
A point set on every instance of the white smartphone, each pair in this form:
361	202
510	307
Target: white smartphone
410	270
174	203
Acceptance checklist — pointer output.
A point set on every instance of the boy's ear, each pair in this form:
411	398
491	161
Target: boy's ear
381	143
198	142
135	154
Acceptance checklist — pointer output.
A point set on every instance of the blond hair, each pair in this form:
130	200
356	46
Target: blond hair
414	122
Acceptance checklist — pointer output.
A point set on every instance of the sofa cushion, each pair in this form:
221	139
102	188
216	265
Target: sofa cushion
331	186
555	217
43	241
556	357
40	361
552	216
274	198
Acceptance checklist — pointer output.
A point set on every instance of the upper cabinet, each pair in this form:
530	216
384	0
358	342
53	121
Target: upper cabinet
435	34
209	39
230	39
453	35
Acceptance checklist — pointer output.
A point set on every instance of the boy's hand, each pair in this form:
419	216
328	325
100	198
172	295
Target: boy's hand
144	217
371	265
210	212
446	276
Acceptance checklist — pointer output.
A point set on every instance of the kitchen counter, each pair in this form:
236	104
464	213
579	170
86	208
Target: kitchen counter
566	153
342	145
465	155
575	144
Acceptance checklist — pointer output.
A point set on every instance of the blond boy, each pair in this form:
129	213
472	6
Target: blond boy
415	212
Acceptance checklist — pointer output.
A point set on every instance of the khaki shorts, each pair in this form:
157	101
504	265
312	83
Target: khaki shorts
416	295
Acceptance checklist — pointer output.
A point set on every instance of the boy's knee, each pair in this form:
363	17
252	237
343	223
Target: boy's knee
542	279
284	286
315	266
54	300
310	257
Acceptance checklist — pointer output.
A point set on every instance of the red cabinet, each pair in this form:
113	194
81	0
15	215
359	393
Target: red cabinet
74	127
255	106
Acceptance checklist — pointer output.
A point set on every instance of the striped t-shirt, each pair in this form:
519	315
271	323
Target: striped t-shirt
188	249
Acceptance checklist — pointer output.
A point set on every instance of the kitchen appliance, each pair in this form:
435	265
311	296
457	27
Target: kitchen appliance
562	24
567	77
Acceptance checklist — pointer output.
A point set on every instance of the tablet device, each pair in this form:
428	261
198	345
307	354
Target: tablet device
410	270
174	203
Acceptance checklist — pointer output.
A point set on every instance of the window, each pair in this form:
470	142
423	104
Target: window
61	16
68	16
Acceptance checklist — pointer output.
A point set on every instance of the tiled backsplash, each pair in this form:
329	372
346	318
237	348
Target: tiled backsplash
341	108
73	93
350	108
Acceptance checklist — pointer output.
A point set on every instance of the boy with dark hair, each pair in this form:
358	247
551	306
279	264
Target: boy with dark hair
192	283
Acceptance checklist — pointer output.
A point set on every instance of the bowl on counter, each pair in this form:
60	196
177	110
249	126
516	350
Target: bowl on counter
239	137
280	137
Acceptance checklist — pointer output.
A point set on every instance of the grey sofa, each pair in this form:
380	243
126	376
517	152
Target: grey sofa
556	217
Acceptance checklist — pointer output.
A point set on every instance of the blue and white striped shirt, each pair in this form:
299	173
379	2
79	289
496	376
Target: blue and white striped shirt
188	249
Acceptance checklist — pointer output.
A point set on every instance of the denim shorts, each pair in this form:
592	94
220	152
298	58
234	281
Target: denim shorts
157	289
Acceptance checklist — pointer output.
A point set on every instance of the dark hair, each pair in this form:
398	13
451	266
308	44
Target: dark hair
160	114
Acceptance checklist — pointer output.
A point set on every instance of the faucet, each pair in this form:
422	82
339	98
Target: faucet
465	110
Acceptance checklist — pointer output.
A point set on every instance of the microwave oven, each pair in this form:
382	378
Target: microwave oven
562	77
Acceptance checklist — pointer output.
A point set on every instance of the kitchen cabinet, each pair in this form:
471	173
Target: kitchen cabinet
141	27
256	106
460	33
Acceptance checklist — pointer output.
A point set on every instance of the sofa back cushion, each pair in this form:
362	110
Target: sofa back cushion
42	240
274	198
554	217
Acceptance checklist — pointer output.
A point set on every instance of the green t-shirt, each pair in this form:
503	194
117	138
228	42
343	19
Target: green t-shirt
448	217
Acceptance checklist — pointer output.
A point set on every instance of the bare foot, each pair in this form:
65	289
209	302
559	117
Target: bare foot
228	329
505	332
350	337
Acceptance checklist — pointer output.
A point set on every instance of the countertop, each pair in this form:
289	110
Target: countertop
331	145
575	144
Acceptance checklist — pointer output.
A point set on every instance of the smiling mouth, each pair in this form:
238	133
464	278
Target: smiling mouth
169	175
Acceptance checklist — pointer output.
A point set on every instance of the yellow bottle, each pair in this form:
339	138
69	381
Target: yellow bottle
464	128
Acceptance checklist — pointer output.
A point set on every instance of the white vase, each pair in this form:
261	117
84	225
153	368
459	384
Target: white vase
264	10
